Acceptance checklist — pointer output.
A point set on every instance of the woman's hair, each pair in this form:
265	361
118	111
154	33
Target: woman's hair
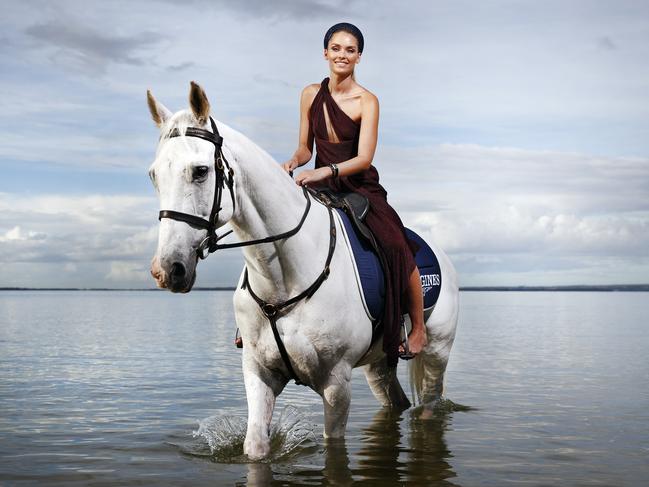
345	27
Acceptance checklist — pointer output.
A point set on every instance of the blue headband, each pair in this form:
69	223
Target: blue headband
346	27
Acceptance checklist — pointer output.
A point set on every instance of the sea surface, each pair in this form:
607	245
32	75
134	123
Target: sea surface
145	388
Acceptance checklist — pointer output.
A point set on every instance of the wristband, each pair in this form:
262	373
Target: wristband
334	170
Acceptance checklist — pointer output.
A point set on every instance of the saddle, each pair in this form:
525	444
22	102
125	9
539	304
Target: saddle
356	206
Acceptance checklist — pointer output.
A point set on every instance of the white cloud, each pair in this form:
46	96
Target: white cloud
16	234
128	272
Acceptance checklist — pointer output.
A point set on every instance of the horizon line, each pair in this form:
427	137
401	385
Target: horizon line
568	287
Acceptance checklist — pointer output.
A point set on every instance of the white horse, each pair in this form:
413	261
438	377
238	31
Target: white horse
325	336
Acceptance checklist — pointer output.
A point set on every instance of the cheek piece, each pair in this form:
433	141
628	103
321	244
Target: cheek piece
224	176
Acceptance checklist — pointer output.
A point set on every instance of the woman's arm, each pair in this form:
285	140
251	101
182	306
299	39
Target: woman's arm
366	145
304	150
367	138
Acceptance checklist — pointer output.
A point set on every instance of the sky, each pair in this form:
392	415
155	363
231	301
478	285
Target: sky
515	134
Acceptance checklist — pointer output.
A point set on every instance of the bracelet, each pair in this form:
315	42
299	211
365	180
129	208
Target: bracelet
334	170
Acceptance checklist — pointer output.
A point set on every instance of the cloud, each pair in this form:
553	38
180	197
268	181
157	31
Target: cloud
128	272
16	234
500	213
89	49
247	10
606	43
181	66
59	228
515	136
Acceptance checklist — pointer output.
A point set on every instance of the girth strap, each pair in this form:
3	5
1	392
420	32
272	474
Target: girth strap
271	310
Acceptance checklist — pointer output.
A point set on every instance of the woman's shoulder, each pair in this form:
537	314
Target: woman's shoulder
364	93
309	92
311	89
367	97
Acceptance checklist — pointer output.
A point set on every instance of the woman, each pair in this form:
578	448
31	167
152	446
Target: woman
342	117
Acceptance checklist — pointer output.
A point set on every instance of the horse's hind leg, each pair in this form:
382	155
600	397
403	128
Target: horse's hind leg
385	385
428	368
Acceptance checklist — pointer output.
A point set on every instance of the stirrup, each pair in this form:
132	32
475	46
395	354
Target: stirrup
406	354
238	341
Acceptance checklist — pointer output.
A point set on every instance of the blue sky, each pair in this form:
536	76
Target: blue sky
515	134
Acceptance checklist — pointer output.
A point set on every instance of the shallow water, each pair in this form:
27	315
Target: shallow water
145	388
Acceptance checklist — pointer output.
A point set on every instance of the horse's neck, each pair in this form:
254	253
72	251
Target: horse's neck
269	203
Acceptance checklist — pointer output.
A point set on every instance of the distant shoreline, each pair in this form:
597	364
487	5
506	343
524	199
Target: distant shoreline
576	288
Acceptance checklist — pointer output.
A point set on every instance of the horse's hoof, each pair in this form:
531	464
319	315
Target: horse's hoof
257	452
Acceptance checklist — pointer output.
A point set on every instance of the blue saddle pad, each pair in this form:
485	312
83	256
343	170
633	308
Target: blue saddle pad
372	277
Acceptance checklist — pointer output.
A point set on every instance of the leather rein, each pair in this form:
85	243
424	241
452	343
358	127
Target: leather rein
224	176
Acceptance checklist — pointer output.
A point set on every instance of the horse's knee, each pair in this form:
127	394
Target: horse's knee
337	396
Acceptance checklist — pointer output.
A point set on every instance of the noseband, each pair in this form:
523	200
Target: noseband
224	176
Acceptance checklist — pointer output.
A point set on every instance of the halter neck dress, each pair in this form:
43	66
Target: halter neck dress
381	219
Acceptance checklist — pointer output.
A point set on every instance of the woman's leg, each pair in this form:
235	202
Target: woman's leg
417	338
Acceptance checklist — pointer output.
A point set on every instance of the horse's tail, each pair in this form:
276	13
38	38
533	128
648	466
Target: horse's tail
416	373
427	378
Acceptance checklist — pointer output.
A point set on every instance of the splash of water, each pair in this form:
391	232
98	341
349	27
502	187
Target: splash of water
438	409
289	435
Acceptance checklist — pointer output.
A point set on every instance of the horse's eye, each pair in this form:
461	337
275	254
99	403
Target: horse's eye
200	172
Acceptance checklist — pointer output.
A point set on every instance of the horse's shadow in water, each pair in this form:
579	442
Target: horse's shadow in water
383	457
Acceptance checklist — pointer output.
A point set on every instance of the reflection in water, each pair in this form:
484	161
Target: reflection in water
428	452
259	474
387	456
336	470
420	458
378	458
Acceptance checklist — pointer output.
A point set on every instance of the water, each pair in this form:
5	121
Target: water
145	388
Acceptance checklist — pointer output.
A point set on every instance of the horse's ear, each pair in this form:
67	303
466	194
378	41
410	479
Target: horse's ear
159	112
199	104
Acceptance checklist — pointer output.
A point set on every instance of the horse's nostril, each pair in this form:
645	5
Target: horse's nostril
177	270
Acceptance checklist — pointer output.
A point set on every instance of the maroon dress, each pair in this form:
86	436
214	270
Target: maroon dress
381	219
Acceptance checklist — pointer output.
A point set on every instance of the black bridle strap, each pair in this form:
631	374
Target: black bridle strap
272	238
220	166
271	310
193	220
214	137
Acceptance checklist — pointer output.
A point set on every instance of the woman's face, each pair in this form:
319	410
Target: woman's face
342	53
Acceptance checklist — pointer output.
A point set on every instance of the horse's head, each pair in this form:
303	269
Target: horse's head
194	188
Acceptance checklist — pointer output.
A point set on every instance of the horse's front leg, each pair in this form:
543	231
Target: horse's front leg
262	387
336	396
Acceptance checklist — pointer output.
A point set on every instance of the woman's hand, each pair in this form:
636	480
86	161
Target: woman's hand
290	165
311	176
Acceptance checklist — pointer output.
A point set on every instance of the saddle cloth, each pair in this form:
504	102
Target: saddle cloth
370	276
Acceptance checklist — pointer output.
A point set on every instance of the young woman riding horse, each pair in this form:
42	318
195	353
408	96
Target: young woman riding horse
297	320
342	118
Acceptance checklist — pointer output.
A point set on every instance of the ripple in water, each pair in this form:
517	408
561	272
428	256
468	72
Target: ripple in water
220	437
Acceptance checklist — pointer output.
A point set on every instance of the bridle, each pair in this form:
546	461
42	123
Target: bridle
224	176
